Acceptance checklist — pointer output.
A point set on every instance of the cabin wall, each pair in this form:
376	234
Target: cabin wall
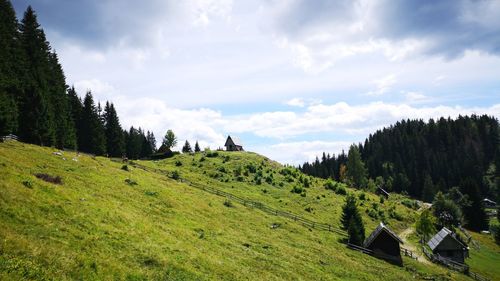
386	243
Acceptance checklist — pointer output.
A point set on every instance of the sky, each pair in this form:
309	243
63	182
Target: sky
290	78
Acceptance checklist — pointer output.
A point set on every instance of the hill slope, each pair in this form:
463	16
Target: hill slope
104	222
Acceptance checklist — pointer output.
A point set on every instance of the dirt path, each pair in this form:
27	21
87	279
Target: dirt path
404	236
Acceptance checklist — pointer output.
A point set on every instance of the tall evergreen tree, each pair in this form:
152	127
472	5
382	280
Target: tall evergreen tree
197	147
356	171
187	148
351	221
92	130
39	126
11	69
475	214
115	143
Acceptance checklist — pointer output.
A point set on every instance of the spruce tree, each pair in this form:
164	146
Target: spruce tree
475	214
347	211
92	135
356	171
11	69
196	147
151	142
39	127
351	221
187	148
115	145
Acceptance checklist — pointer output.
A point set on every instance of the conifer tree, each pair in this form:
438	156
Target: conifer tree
151	142
351	221
39	126
92	130
475	214
187	148
356	171
115	145
11	73
196	147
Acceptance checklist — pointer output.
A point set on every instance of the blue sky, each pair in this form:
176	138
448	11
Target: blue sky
291	78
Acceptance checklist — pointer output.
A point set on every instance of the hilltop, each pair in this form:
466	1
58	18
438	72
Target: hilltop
107	220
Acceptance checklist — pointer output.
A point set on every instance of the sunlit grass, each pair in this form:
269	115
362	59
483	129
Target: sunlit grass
96	225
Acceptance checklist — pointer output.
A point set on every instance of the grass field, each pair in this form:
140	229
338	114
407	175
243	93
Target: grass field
106	223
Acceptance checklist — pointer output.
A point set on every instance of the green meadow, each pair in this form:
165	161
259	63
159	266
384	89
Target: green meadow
106	220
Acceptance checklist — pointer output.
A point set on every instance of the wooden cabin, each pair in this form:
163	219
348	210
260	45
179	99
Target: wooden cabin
162	153
233	144
385	244
447	245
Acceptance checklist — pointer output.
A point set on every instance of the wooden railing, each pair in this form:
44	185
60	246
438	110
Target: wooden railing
244	201
408	253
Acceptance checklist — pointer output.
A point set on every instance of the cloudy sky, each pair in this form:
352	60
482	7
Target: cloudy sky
290	78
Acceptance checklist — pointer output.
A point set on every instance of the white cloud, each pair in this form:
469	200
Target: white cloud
296	102
383	84
412	97
296	153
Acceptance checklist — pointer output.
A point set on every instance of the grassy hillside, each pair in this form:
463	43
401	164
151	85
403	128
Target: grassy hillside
105	223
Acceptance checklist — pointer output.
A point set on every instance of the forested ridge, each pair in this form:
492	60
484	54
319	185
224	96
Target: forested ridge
37	105
422	158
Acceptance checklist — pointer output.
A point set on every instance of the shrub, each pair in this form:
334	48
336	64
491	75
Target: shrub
264	190
382	199
151	193
125	168
412	204
212	154
251	168
258	180
178	163
228	204
130	182
330	185
222	169
297	189
176	175
362	196
309	209
49	178
341	190
202	159
28	183
240	178
269	179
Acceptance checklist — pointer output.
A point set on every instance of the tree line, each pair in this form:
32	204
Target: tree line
37	105
423	160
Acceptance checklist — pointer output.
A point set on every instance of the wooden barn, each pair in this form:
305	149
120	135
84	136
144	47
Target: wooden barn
446	244
385	244
233	144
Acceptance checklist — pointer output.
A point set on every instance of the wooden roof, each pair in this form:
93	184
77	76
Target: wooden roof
235	140
440	237
380	228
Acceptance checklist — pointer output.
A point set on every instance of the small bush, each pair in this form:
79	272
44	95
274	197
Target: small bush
222	169
297	189
309	209
176	175
341	190
412	204
28	183
178	163
269	179
228	204
130	182
202	159
362	196
251	168
212	154
382	199
264	190
240	178
330	185
258	180
151	193
125	168
49	178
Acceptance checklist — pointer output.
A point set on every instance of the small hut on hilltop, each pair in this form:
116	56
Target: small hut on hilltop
385	244
233	144
447	245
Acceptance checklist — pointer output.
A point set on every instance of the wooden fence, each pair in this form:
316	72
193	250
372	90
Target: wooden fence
246	202
393	259
408	253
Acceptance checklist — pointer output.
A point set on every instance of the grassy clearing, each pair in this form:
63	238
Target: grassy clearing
106	223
